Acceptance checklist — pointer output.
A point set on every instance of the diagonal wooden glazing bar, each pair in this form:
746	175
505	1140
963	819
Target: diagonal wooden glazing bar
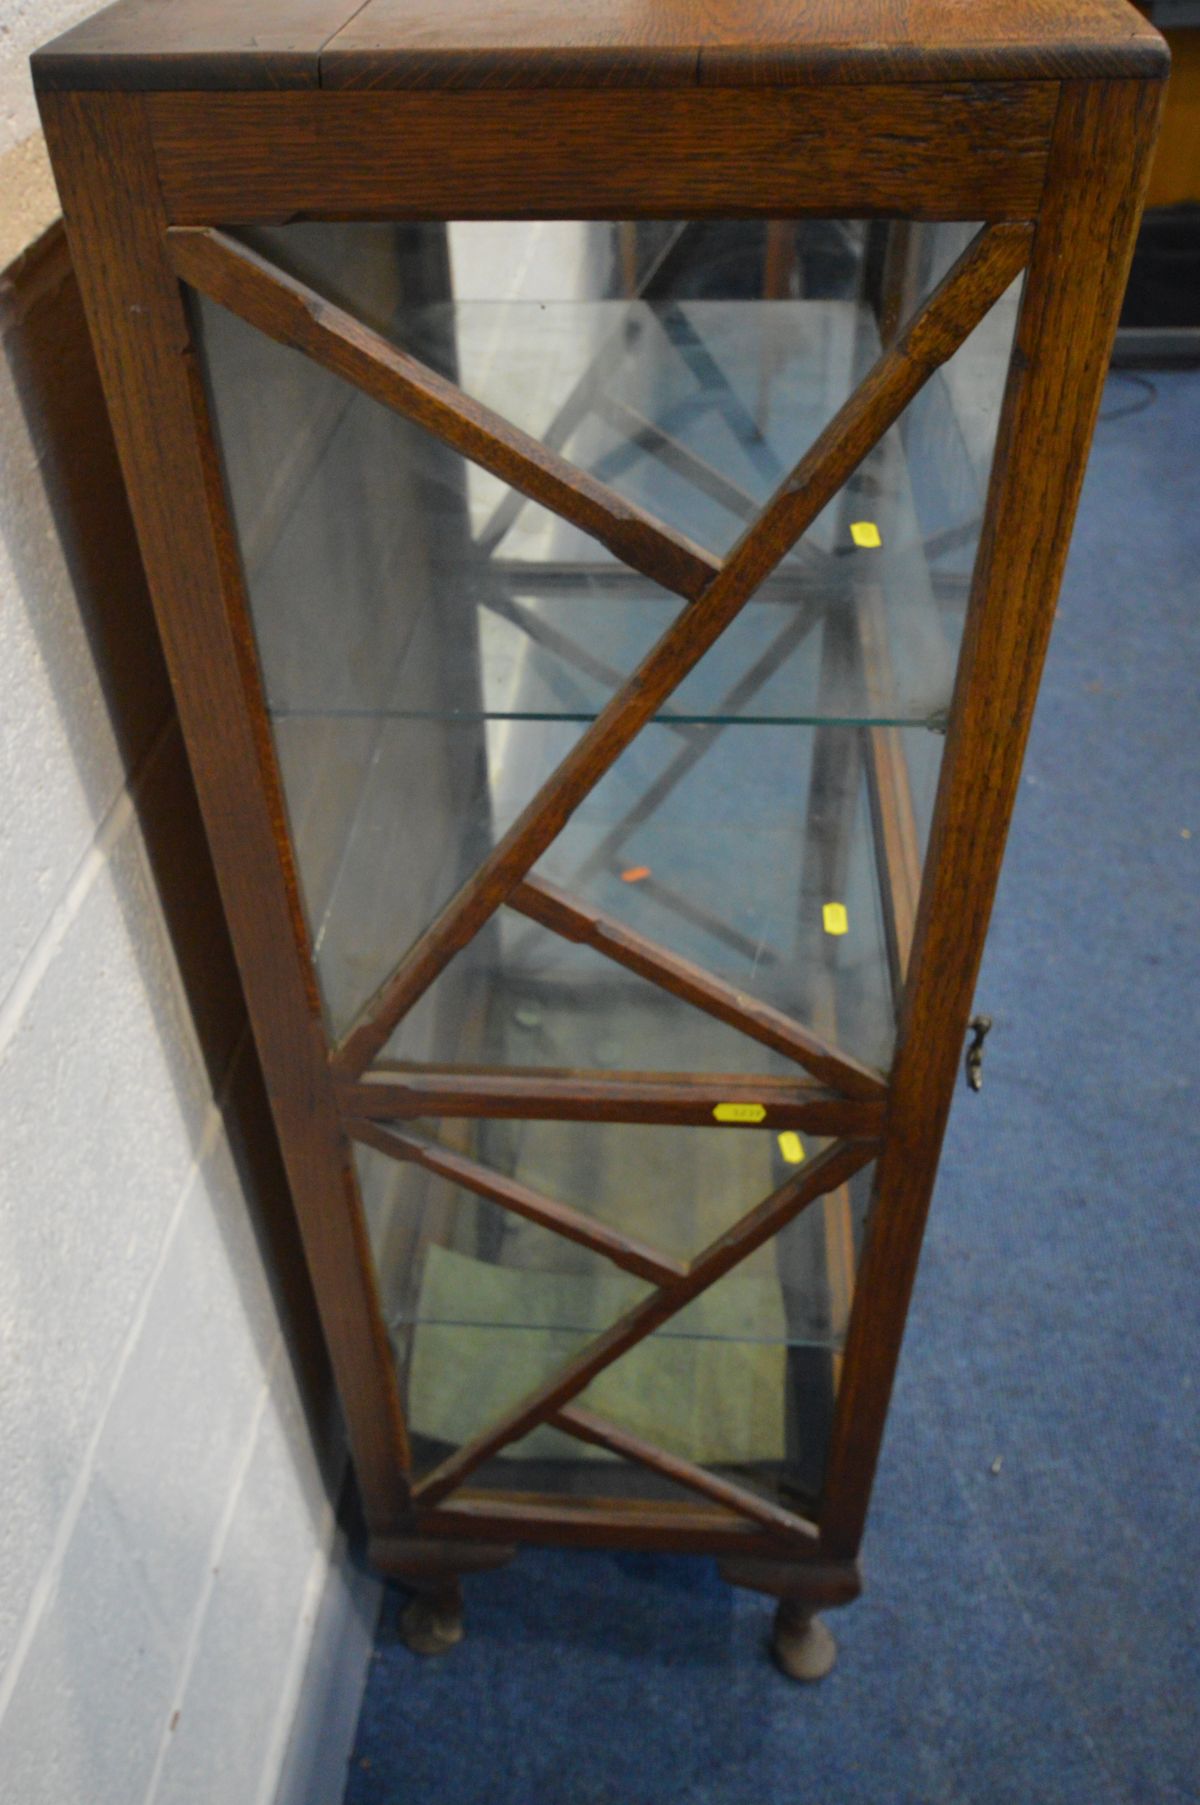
578	921
829	1169
586	1426
694	728
605	854
293	314
732	704
623	1250
970	288
699	741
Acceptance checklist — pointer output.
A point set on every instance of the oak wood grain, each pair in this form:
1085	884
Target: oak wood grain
446	44
928	151
588	1427
393	1093
625	1251
1076	278
147	44
681	1527
921	108
581	922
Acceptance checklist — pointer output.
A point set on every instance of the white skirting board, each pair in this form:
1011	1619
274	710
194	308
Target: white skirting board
313	1770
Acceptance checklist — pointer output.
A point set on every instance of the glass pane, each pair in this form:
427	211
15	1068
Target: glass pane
726	850
433	645
483	1306
762	378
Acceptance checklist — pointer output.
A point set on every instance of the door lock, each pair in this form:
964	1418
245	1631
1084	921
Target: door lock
980	1026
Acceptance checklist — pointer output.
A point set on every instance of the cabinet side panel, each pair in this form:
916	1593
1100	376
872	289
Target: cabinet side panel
108	183
1083	244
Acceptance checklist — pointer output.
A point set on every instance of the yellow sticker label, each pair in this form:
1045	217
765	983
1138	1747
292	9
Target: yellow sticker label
835	918
739	1112
866	534
792	1148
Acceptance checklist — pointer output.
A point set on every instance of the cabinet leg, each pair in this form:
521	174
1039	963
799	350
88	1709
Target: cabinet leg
801	1642
431	1623
803	1645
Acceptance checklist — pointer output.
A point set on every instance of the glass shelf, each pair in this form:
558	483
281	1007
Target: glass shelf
553	641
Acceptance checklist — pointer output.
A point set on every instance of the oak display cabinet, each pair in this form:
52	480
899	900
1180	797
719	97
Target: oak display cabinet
604	475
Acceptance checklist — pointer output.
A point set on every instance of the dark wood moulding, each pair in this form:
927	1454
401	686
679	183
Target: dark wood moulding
564	915
588	1427
396	45
391	1093
964	151
625	1251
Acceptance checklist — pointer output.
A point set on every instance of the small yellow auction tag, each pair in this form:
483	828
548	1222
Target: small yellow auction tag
739	1112
865	533
792	1148
835	918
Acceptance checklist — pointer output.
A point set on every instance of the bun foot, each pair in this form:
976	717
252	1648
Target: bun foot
431	1626
802	1645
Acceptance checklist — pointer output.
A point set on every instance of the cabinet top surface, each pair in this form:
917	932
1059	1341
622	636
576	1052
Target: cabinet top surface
146	44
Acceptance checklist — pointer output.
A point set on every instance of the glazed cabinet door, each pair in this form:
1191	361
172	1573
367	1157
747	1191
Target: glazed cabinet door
607	583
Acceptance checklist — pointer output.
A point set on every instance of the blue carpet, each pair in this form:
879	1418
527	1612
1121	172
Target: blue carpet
1028	1634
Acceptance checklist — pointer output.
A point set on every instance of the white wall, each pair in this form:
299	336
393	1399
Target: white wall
165	1524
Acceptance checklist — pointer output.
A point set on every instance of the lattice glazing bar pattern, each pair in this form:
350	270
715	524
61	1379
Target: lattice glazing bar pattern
298	730
476	983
